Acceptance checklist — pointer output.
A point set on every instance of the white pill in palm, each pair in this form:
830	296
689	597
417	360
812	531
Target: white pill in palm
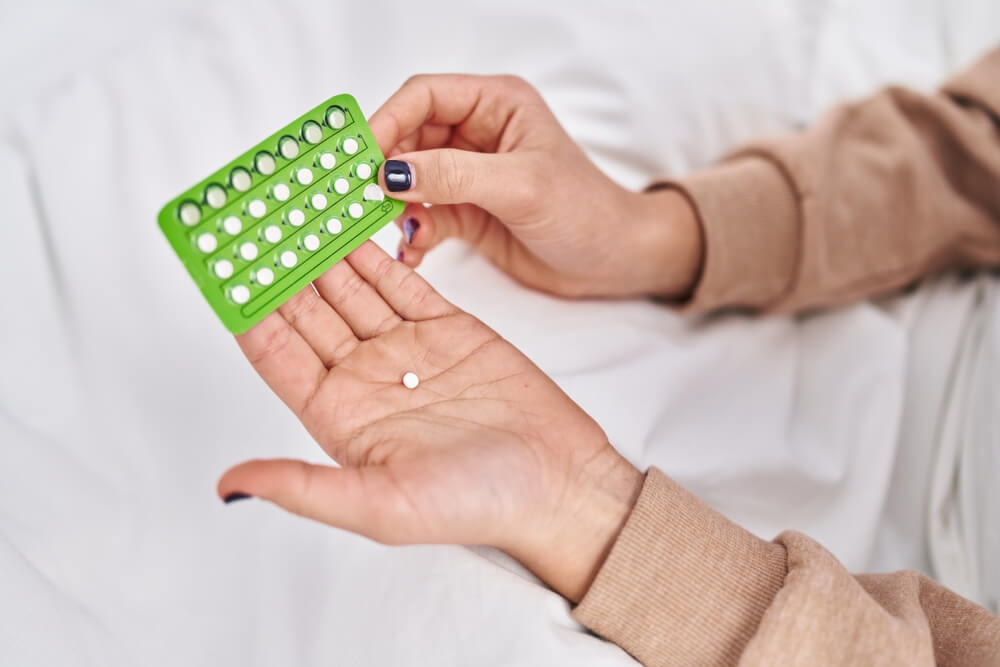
272	233
281	192
318	201
350	145
264	276
257	208
310	242
232	225
355	210
341	186
296	217
223	268
240	294
207	243
410	380
288	259
248	251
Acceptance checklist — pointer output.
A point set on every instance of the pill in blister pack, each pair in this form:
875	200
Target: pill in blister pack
259	229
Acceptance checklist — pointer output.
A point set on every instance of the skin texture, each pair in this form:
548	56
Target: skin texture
504	176
486	450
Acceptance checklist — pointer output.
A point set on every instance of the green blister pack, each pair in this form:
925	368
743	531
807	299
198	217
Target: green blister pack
262	227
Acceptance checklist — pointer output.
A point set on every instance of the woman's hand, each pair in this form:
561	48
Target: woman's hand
504	176
486	450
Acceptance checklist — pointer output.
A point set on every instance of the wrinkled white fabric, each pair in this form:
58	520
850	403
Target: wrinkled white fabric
122	398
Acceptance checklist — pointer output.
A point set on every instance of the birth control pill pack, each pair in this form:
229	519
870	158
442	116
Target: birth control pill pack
269	222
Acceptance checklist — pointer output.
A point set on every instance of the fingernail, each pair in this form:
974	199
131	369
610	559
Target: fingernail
399	256
398	175
236	495
410	227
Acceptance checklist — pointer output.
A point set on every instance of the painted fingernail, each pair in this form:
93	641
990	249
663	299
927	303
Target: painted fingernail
236	495
398	175
410	227
399	256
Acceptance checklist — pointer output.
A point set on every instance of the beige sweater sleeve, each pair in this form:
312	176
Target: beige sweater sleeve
682	585
876	194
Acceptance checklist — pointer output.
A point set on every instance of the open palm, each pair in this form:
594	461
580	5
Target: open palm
485	450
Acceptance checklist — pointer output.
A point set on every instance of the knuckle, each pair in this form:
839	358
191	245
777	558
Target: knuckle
454	180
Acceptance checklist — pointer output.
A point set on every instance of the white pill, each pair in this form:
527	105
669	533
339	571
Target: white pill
295	217
240	178
190	213
223	268
215	196
312	132
350	145
240	294
280	192
288	259
232	225
272	233
373	192
248	251
318	201
335	118
363	171
410	380
257	208
327	160
355	210
311	242
263	163
288	147
333	226
304	176
207	243
264	276
341	186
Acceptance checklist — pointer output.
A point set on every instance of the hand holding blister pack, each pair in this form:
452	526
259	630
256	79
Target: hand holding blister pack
269	222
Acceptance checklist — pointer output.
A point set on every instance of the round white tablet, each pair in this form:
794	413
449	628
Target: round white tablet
223	268
341	186
335	117
304	176
207	243
248	251
310	242
327	160
312	132
373	192
240	178
350	145
257	208
272	233
232	225
363	171
355	210
318	201
288	147
263	162
280	192
215	196
240	294
264	276
190	213
410	380
333	226
288	259
295	217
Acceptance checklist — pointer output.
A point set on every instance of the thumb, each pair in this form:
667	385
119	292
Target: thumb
362	500
495	182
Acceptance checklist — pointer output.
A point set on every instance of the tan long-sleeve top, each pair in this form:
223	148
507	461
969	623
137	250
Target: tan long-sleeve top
875	195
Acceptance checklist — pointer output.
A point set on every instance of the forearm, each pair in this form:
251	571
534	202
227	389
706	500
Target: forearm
877	194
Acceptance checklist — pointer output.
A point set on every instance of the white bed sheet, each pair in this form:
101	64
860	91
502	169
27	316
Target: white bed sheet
122	399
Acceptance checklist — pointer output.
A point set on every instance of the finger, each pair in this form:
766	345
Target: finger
500	183
424	227
320	326
362	500
410	256
426	137
357	302
482	104
401	287
284	360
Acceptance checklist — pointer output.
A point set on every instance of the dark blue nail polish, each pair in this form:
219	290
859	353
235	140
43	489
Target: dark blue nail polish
236	495
398	176
410	227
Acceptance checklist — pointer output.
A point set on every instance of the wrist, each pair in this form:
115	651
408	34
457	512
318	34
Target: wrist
668	243
567	550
